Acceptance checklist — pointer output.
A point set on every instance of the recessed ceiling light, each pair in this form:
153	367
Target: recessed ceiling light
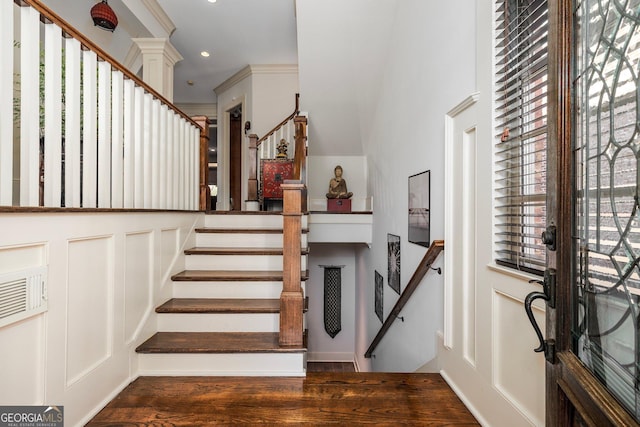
205	53
212	1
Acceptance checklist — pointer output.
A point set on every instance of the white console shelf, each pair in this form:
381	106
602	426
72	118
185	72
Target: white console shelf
326	227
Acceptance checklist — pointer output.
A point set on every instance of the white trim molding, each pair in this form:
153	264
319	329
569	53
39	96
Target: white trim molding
255	69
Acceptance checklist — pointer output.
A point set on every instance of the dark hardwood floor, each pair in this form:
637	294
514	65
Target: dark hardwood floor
323	398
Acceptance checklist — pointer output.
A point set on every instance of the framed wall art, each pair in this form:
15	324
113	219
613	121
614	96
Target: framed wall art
419	205
393	254
379	290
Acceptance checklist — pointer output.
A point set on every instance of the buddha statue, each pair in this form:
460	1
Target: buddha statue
338	186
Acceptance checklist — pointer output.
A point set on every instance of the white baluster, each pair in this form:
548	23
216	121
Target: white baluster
162	172
170	160
129	115
6	104
72	138
148	153
117	139
195	132
155	154
176	162
183	170
104	134
29	107
189	167
139	152
89	128
52	116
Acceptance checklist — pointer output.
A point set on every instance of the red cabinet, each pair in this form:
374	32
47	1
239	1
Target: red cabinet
273	173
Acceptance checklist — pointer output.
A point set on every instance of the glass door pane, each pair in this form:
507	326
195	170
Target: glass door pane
607	230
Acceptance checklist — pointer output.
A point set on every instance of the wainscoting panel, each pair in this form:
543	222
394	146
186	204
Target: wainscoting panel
169	245
89	305
138	279
513	369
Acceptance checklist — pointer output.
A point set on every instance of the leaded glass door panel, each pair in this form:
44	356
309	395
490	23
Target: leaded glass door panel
594	188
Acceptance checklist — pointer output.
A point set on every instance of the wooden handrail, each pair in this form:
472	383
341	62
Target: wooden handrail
49	15
421	270
282	123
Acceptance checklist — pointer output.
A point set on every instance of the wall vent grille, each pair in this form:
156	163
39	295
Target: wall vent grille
22	294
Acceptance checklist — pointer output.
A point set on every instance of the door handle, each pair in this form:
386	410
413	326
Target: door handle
548	294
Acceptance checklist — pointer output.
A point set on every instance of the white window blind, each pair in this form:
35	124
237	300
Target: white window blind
521	132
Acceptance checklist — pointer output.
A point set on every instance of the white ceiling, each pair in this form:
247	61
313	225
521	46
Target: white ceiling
236	33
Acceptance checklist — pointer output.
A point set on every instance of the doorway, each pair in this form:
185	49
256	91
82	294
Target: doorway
592	339
235	158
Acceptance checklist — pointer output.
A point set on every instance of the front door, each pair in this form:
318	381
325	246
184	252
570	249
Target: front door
592	341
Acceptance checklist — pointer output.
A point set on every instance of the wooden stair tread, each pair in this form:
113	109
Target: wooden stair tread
231	276
243	230
222	305
215	342
238	251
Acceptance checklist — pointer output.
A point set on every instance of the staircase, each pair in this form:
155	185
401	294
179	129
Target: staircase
223	318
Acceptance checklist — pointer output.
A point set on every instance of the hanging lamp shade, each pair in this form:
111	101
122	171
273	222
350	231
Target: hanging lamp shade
103	16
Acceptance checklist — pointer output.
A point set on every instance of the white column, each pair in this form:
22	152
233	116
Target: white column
158	59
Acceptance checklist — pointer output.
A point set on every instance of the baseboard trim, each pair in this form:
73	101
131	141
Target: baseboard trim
464	399
104	402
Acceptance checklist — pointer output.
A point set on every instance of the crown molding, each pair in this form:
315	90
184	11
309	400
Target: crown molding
160	15
158	46
133	59
255	69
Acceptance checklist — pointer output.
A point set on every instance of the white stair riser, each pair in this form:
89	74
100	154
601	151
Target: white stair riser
243	221
218	322
228	289
241	240
226	364
238	262
248	221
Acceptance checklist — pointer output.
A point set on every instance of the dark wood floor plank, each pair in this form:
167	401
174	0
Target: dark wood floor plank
238	251
243	230
222	305
319	399
215	305
231	276
214	342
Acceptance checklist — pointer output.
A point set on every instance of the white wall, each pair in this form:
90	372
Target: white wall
321	347
400	65
274	89
106	274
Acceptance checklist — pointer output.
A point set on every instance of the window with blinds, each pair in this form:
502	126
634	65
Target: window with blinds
521	133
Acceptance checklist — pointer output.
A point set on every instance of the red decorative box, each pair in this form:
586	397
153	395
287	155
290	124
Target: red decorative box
274	173
339	205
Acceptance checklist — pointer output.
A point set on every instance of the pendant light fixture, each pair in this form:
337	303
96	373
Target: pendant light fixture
103	16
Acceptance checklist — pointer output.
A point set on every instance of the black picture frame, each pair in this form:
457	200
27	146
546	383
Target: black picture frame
393	262
419	209
379	294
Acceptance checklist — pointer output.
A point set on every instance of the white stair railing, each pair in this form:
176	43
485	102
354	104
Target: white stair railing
84	131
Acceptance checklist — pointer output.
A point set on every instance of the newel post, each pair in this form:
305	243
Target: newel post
291	299
205	191
252	189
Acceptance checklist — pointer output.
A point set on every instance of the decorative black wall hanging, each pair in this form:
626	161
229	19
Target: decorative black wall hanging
393	253
332	299
379	293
